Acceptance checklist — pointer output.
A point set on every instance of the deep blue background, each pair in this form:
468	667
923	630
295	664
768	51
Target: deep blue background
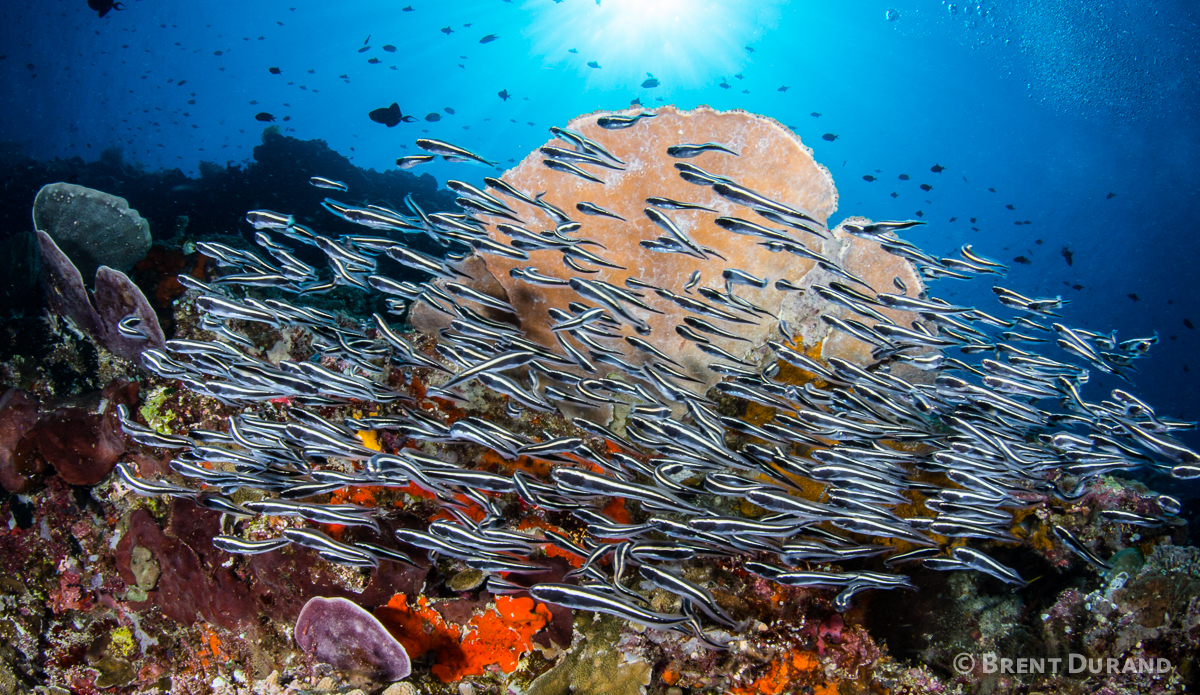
1053	104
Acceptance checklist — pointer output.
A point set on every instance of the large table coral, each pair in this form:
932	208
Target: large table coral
770	161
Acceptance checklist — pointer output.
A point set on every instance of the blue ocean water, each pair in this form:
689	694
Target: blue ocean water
1076	120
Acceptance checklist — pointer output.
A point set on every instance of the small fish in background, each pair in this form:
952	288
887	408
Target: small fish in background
593	64
433	117
489	38
264	117
1189	324
1110	196
926	187
103	7
1010	206
449	110
572	50
868	178
390	116
1068	255
447	31
903	177
829	137
783	88
364	49
322	182
407	9
723	84
895	194
274	71
503	94
1134	297
650	82
993	190
413	160
937	168
374	61
389	48
1022	260
815	114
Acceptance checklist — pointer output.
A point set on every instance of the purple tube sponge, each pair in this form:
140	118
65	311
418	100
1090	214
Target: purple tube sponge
339	632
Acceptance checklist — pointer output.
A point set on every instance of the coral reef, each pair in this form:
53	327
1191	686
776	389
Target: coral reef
79	437
106	590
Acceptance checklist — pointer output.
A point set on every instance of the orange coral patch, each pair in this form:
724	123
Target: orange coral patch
615	510
784	672
497	637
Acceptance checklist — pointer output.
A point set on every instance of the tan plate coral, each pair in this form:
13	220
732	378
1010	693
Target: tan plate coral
771	160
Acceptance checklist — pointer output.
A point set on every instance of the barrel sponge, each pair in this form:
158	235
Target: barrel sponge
92	227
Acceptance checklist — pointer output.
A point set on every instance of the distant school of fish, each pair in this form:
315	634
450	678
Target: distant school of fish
1007	431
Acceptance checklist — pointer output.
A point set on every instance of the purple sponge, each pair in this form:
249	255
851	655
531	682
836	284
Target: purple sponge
339	632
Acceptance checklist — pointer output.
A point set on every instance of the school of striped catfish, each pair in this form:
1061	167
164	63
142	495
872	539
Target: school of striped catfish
996	423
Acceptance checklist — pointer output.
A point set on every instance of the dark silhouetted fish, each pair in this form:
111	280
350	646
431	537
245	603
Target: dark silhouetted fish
937	168
264	117
374	61
503	94
815	114
868	178
274	71
389	48
103	7
433	117
1110	196
390	116
593	64
1134	297
650	82
783	88
829	137
903	177
489	38
926	187
1068	255
447	31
